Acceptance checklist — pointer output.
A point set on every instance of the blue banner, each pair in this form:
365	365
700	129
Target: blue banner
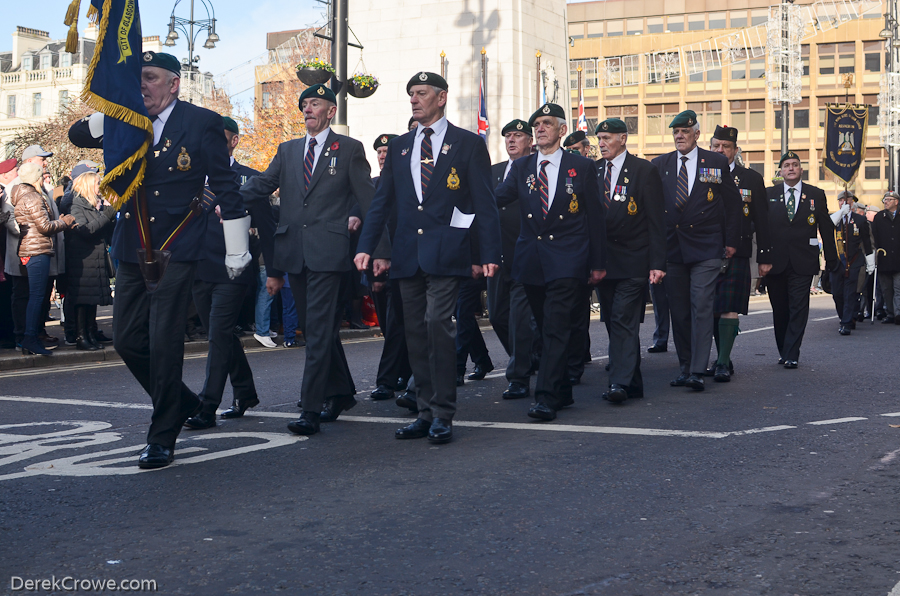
845	140
113	86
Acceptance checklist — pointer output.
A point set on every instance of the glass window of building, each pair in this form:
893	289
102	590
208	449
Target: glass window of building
826	65
63	98
588	73
757	121
873	170
717	20
759	16
266	100
26	62
804	58
801	118
45	61
846	63
11	106
65	59
614	28
675	23
635	26
36	104
696	78
758	68
696	22
714	75
595	29
738	18
576	30
872	101
655	25
739	71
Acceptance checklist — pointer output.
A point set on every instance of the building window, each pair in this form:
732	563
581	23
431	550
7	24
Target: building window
804	58
696	22
65	60
266	100
11	106
758	68
759	17
655	25
26	62
873	62
45	61
63	98
846	63
738	19
826	65
36	104
714	75
675	23
873	170
717	20
635	26
739	71
576	30
696	78
614	28
801	118
757	121
595	29
588	73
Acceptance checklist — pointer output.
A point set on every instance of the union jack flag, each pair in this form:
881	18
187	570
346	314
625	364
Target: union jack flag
582	121
483	125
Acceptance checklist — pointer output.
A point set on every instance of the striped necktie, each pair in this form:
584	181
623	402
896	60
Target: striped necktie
545	188
606	182
791	205
427	159
681	188
309	161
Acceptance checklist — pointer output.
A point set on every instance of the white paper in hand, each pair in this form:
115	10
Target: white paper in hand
461	220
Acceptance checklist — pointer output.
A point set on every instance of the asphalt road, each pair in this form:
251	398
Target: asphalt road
781	482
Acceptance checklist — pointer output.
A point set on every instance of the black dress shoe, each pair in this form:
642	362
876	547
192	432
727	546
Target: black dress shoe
155	456
680	380
516	391
852	324
32	345
616	394
238	408
441	431
657	349
382	392
82	342
408	400
844	330
308	424
542	412
781	361
711	371
417	430
201	421
461	380
695	382
790	364
334	406
606	368
479	373
102	338
888	320
722	375
574	381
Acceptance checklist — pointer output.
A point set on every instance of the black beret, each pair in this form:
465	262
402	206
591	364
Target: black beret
548	109
517	126
685	119
317	91
167	61
427	78
613	125
726	133
787	156
576	137
382	141
231	125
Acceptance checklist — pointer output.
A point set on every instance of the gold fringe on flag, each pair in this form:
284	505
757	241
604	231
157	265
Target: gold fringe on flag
72	22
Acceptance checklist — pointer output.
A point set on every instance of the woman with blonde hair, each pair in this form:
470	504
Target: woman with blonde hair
86	258
37	233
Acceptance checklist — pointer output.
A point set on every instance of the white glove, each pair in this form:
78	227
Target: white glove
839	214
870	263
237	245
95	124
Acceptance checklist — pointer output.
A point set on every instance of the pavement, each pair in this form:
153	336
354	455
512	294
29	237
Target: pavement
779	483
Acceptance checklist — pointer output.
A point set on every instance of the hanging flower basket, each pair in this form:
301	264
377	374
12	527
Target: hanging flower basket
314	72
362	85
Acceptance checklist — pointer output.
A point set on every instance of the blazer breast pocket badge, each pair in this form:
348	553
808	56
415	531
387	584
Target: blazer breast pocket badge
812	220
709	195
453	180
632	206
184	160
573	204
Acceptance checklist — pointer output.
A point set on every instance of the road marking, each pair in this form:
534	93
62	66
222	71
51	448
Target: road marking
755	330
826	318
757	312
892	414
837	421
895	591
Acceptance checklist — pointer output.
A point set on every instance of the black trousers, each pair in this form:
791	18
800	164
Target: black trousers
19	304
580	344
7	328
660	313
325	373
623	302
469	341
394	363
514	325
843	290
149	336
556	309
219	306
789	296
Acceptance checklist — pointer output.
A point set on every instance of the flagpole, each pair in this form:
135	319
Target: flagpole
537	97
443	64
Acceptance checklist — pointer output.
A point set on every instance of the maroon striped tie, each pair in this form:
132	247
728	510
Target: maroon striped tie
681	188
309	161
427	159
607	182
545	186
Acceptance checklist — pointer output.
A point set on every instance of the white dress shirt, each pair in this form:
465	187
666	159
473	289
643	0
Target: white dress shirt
731	166
797	191
508	168
439	129
321	139
618	162
552	171
160	123
690	164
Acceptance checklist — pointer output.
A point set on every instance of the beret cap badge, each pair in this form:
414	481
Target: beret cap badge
384	139
519	126
320	91
605	126
423	76
148	56
546	109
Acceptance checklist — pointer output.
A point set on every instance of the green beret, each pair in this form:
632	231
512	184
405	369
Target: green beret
231	125
382	141
613	125
317	91
167	61
517	126
726	133
427	78
787	156
576	137
685	119
548	109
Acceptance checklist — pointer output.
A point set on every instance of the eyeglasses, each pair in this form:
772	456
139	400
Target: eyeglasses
886	199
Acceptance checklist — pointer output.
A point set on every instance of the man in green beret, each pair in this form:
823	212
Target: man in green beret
510	314
733	286
703	210
577	141
797	210
632	203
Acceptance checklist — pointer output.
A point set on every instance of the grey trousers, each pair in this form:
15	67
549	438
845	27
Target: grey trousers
429	302
889	284
691	289
513	323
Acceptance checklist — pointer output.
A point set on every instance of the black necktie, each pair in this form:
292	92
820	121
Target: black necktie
427	160
681	187
309	161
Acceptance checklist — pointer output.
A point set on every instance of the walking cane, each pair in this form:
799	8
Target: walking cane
875	283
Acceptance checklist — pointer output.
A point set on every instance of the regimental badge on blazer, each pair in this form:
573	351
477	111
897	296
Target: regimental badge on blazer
746	210
405	151
184	160
632	206
812	220
709	195
453	180
737	181
573	204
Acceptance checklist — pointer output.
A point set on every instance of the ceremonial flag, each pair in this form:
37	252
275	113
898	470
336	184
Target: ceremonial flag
483	125
113	87
582	121
845	140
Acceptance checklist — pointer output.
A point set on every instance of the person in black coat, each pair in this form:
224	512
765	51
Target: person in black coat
796	210
86	258
854	249
886	229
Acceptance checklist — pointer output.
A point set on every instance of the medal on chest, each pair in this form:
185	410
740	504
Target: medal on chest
184	160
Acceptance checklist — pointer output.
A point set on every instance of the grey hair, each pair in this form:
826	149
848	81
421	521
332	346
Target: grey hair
696	126
562	121
171	77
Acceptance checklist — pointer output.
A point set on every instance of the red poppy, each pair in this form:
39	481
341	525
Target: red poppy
335	146
573	173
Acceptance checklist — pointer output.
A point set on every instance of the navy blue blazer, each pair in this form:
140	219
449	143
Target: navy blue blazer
711	219
212	267
192	151
424	238
569	242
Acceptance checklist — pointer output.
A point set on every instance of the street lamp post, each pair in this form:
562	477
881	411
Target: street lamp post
187	26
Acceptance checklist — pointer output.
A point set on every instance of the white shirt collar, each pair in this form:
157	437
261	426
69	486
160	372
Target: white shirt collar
692	156
438	128
797	190
731	165
619	161
164	115
322	137
554	158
